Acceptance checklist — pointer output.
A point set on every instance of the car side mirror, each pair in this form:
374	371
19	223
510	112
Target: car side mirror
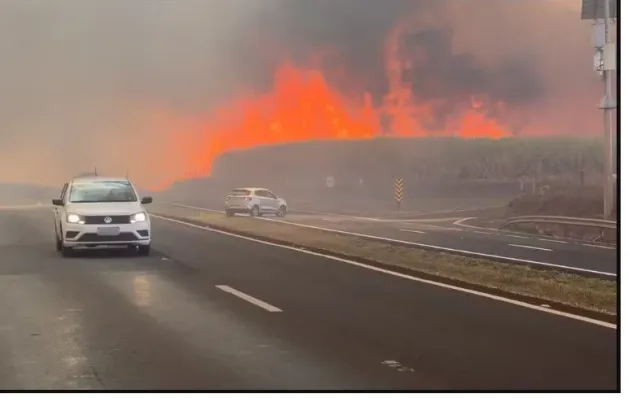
57	202
147	200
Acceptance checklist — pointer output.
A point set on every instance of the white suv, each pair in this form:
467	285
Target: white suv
101	211
255	201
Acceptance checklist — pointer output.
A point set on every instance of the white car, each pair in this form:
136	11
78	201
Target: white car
101	211
255	201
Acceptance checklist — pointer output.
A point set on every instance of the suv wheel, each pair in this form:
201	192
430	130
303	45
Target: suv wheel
66	251
281	212
143	250
58	242
255	211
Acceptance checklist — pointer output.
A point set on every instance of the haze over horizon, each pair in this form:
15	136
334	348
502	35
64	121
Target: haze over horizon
160	89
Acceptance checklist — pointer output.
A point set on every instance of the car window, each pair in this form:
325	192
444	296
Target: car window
271	195
240	192
261	193
102	191
65	187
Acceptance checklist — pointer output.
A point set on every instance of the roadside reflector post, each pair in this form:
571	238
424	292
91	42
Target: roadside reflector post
398	192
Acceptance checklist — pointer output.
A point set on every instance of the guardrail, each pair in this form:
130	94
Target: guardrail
582	222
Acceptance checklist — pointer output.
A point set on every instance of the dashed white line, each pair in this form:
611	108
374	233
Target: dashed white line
483	232
411	230
518	236
532	247
598	246
250	299
402	275
438	227
552	240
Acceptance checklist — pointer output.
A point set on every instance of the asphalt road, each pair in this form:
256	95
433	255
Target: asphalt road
116	321
445	233
441	230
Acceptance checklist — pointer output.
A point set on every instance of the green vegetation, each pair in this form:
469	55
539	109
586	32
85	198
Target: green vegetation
452	159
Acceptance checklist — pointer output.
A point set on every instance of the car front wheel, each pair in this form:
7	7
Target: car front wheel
281	212
144	250
59	243
66	251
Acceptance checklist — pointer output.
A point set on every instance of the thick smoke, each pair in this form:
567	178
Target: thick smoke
535	55
90	83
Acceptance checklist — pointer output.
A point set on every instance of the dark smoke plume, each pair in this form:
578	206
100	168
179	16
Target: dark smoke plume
82	77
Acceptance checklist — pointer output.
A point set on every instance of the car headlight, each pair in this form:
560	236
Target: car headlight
138	217
74	219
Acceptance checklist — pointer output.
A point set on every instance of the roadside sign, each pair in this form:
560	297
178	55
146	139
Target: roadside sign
398	192
330	181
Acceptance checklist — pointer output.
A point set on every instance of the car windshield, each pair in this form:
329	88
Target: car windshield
102	191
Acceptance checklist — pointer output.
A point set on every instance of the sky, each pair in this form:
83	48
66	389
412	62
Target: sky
132	86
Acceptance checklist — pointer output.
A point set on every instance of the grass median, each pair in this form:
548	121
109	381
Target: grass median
559	289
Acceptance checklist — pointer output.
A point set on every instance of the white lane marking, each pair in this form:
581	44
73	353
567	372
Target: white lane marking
461	223
483	232
411	230
518	236
371	218
397	366
598	246
532	247
440	248
250	299
437	227
552	240
400	275
338	215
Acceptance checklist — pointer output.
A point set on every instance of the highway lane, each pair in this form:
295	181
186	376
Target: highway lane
440	231
123	322
505	244
161	322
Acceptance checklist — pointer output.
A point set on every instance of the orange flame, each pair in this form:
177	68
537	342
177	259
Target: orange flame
303	106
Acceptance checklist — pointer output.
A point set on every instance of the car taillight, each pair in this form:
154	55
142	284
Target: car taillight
248	198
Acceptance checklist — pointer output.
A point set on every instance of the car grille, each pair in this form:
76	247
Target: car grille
101	219
123	237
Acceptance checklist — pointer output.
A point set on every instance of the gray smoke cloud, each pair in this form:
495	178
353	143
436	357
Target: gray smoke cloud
81	80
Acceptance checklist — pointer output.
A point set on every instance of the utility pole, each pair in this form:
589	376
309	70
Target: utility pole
608	114
605	63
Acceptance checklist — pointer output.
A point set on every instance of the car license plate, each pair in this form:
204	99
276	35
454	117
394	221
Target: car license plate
108	231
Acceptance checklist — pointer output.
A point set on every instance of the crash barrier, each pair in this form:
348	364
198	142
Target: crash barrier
582	222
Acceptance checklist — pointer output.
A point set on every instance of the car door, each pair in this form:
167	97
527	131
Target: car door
273	201
59	212
263	200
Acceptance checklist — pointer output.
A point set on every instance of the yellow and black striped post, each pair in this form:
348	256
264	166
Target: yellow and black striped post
398	192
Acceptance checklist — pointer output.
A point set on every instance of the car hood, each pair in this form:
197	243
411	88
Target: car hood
104	209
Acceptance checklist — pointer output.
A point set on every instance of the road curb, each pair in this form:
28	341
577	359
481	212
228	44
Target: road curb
558	306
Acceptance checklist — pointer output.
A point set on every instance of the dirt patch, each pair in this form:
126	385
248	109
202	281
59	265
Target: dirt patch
540	286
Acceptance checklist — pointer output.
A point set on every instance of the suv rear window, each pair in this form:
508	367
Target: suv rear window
240	192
